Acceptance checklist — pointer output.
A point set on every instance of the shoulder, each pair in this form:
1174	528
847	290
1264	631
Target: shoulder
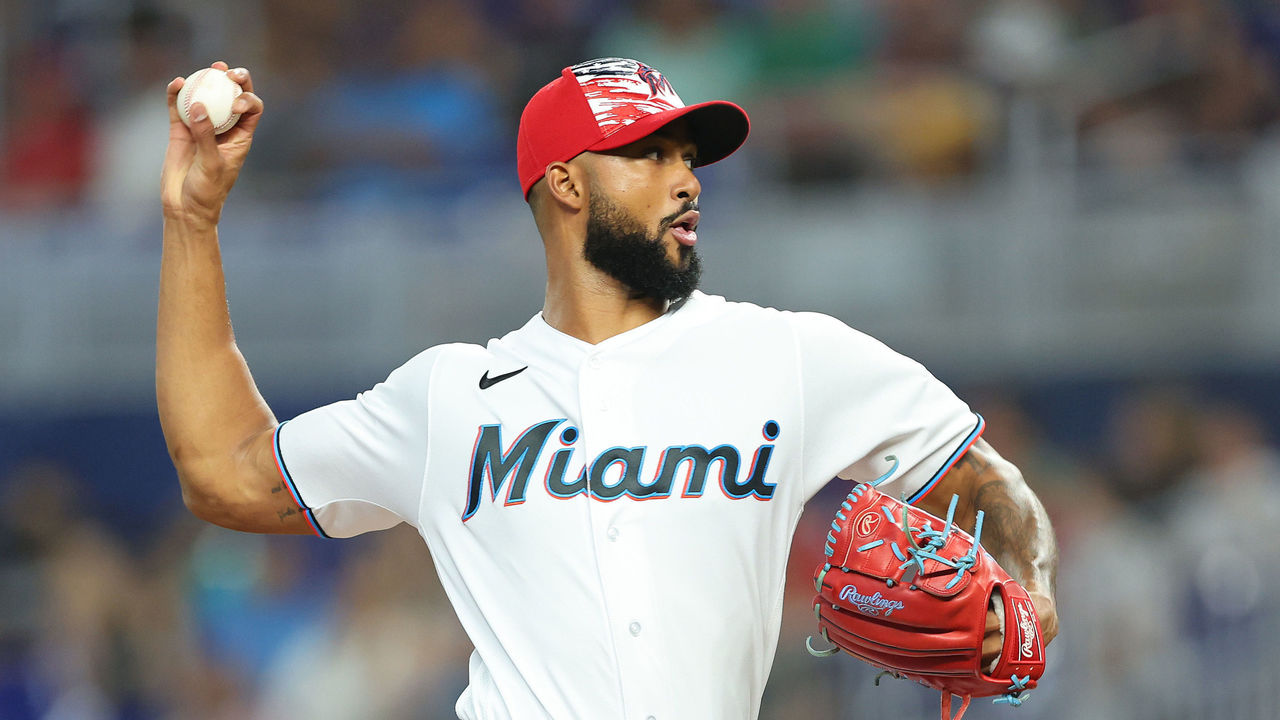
418	370
700	303
804	327
747	326
447	352
824	333
821	340
702	308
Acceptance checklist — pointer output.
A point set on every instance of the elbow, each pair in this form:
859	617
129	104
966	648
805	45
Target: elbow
197	503
229	487
198	497
205	490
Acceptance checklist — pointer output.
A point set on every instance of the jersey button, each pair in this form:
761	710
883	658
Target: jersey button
595	362
634	628
612	534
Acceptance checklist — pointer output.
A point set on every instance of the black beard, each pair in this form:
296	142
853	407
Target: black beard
619	245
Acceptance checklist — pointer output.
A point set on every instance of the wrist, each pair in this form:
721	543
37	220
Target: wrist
1037	589
185	220
1040	596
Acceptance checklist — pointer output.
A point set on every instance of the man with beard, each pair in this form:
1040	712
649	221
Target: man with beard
609	492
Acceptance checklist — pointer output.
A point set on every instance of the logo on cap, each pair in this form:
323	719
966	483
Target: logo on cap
621	91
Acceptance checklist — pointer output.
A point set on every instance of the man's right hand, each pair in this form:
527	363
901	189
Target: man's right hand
199	167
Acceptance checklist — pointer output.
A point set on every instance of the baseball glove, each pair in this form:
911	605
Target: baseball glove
909	593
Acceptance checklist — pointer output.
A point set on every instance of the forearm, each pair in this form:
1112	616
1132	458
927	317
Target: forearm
210	409
1015	527
1017	532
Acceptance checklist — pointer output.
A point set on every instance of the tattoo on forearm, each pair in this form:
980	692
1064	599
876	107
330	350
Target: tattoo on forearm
285	513
1016	529
975	463
1006	532
278	489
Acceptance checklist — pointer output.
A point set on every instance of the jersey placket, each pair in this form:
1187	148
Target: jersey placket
621	564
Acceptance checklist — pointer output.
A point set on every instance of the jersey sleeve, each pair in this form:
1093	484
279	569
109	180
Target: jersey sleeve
865	403
357	465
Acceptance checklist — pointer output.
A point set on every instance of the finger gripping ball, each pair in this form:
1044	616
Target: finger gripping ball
216	91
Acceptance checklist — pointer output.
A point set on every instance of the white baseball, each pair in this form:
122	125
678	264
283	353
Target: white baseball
216	91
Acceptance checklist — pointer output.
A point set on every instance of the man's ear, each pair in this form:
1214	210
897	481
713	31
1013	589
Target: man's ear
566	184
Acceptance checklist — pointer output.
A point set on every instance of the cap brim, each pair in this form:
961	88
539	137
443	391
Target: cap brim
718	128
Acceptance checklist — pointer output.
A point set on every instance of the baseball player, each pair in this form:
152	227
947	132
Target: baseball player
609	492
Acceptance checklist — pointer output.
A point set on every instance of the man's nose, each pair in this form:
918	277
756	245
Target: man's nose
686	186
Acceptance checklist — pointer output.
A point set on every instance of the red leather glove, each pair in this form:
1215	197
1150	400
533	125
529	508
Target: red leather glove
914	601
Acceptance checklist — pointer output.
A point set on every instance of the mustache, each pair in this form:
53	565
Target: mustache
686	207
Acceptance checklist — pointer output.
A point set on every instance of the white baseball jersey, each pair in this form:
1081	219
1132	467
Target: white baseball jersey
611	522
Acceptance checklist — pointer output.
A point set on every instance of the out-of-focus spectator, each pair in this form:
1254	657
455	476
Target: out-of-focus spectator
45	160
176	676
549	35
892	104
35	499
924	33
74	636
250	595
1017	434
929	124
391	649
1232	494
1018	43
87	583
306	44
1151	437
303	42
1227	572
1188	89
131	129
930	118
809	56
1119	596
425	120
695	43
1235	97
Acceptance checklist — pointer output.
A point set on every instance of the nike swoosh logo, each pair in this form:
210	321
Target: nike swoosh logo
487	382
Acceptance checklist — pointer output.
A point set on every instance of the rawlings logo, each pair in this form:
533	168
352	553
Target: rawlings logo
870	604
1027	626
867	523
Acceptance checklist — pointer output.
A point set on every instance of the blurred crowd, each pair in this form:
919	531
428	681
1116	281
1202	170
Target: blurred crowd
394	100
1169	593
193	621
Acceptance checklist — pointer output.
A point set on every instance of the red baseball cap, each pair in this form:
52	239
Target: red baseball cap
606	103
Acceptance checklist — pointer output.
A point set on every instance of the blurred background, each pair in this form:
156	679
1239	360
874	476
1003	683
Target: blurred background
1067	209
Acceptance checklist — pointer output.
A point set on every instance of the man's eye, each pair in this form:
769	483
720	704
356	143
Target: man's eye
690	161
654	154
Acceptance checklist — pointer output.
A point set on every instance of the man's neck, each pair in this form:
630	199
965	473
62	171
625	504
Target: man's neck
596	309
